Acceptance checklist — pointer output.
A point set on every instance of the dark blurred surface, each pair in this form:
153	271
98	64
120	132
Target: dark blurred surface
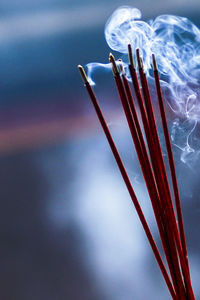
68	229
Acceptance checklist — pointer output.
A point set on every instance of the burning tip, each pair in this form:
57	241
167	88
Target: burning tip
154	62
121	66
129	49
111	57
139	59
83	74
113	62
130	55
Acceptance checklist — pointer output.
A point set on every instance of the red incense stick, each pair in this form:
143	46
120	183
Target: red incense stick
151	185
158	166
148	176
127	182
150	143
164	184
144	116
171	159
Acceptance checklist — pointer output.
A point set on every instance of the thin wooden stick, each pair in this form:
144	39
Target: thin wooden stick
150	142
127	182
171	164
161	178
170	159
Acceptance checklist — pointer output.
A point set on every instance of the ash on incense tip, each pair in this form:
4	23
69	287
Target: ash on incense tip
83	74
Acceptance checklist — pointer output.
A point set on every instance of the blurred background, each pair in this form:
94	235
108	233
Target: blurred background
68	228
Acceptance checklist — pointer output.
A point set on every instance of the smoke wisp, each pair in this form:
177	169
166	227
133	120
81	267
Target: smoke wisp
175	41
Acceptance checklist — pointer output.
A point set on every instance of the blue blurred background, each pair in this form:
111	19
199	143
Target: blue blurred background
68	229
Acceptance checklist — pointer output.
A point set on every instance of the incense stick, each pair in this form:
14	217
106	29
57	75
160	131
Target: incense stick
151	142
149	179
137	90
170	158
164	184
151	185
161	178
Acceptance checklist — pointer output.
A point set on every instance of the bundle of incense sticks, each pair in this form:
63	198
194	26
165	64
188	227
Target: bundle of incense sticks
171	230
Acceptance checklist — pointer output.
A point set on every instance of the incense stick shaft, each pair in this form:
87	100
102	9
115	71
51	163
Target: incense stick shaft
161	177
174	180
150	143
149	179
172	165
164	183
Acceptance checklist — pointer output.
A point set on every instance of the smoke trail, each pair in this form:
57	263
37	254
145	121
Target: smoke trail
176	44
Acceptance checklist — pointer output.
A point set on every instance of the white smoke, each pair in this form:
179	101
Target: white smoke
175	41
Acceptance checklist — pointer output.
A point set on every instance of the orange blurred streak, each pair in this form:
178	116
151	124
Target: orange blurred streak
34	135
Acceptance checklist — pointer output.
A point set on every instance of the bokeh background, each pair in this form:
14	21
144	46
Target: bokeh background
68	228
